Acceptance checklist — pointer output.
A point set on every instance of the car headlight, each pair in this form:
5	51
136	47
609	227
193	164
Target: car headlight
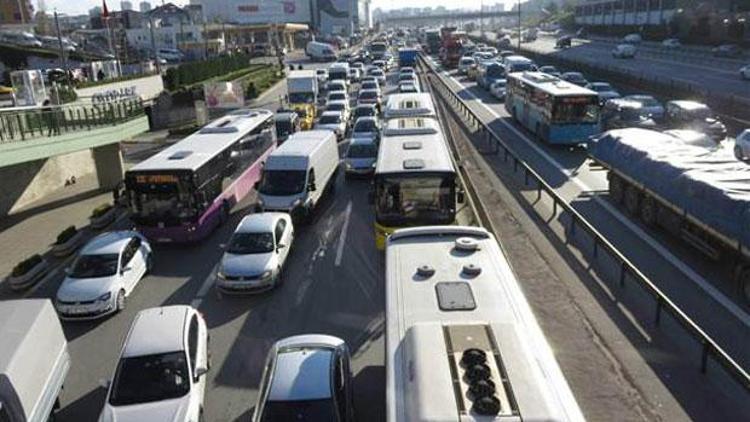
221	275
105	297
266	275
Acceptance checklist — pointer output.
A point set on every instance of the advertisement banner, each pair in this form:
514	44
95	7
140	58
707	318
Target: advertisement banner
224	95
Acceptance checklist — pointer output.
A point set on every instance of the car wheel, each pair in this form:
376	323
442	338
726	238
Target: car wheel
738	153
149	263
120	302
279	277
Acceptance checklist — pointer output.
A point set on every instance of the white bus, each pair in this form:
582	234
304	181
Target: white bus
415	181
462	343
183	192
409	105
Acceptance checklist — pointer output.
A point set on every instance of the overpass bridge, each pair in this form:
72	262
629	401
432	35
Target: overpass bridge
451	17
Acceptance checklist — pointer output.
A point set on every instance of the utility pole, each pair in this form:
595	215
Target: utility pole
519	25
63	59
481	19
153	44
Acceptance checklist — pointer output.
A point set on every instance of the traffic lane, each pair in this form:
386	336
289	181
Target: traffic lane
583	187
332	285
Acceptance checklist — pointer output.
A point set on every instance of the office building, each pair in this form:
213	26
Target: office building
144	6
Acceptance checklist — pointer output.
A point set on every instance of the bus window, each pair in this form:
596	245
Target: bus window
415	200
575	110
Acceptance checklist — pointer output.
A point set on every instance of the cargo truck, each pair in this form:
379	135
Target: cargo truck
302	92
34	360
693	193
407	57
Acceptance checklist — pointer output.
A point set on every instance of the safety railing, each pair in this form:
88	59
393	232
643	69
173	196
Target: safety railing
18	126
710	348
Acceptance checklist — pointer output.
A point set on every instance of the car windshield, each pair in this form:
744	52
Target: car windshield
337	96
500	83
647	101
364	112
369	85
365	126
282	182
362	151
92	266
601	87
407	201
301	410
145	379
250	243
368	95
329	119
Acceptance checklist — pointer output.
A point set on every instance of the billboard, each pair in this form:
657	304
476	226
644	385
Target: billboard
258	12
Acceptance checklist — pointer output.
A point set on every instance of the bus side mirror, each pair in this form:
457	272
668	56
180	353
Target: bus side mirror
460	197
256	185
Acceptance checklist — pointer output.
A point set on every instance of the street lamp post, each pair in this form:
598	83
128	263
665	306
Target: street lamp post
519	25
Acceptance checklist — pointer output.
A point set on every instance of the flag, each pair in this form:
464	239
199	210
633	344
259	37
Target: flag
105	11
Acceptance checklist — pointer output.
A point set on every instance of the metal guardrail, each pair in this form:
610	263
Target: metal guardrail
663	303
18	126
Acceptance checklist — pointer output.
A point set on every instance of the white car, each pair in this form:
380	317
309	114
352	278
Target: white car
407	70
693	137
378	73
161	374
624	51
370	85
632	39
342	106
745	72
333	121
257	251
408	87
103	274
465	64
671	43
742	145
498	89
604	90
337	96
336	85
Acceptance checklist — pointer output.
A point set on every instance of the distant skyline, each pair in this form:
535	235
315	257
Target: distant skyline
81	7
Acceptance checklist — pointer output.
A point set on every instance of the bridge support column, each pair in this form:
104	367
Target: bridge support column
108	162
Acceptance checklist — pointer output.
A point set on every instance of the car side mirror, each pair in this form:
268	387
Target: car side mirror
199	372
311	187
280	246
104	383
124	270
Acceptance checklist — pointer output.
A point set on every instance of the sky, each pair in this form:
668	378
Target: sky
77	7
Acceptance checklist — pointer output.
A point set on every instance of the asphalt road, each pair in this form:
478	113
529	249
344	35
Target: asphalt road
701	287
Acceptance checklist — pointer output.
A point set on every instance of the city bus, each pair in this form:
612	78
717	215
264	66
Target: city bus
415	181
462	343
183	192
556	111
409	105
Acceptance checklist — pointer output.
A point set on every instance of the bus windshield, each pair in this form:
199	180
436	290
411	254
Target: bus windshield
301	97
415	200
161	199
575	110
282	182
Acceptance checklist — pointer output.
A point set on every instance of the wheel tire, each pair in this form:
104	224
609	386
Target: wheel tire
649	210
632	200
149	263
120	301
279	278
738	153
616	188
201	418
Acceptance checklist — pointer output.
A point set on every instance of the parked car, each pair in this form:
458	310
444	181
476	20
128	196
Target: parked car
745	72
671	43
742	145
564	42
25	39
256	254
727	50
682	114
604	90
104	273
574	78
306	378
334	121
498	89
171	55
622	113
624	51
632	39
550	70
650	105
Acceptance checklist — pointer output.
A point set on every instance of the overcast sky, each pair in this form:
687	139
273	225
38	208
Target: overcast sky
76	7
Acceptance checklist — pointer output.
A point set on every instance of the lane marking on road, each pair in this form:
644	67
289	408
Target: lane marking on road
715	294
342	236
207	283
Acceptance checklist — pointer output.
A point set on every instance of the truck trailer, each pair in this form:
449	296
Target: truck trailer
302	91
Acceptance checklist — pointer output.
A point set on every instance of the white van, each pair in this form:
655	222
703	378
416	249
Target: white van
298	173
319	51
519	64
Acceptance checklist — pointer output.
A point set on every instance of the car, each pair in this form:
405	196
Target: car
582	32
360	157
727	50
359	65
465	64
550	70
566	41
498	89
342	106
256	254
369	96
742	145
620	113
379	64
104	273
408	77
337	85
337	96
604	90
367	128
322	75
650	105
683	114
505	53
306	378
287	123
354	74
368	78
378	73
671	43
574	78
624	51
161	372
408	88
632	39
333	121
407	70
745	72
364	110
373	84
693	137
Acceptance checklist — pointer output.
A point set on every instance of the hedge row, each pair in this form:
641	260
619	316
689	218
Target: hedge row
190	73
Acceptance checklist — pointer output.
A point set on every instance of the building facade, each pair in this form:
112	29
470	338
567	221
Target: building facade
16	13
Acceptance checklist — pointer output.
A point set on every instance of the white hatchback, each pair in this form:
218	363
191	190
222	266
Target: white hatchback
105	272
256	253
161	374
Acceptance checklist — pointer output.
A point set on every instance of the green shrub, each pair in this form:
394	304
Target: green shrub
66	234
26	265
251	91
101	210
190	73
